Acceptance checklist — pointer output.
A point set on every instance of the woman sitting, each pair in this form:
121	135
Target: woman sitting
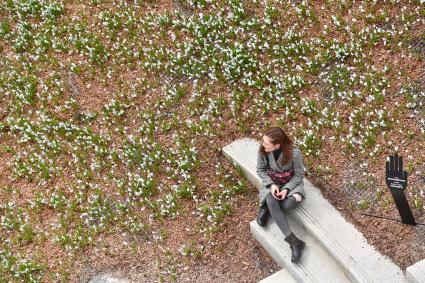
280	167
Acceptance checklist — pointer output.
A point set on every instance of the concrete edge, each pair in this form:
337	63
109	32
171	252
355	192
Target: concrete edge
278	277
251	175
297	271
352	268
416	272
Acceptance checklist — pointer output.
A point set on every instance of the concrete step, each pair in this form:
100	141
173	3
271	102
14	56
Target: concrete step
324	225
316	265
416	272
282	276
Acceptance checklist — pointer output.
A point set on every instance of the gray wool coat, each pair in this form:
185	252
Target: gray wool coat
295	185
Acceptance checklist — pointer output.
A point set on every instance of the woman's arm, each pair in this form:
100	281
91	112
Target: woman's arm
298	171
262	171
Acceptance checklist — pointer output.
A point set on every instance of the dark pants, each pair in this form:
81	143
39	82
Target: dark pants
278	210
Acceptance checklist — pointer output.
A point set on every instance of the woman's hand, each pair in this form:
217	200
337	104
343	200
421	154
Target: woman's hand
297	197
275	191
283	194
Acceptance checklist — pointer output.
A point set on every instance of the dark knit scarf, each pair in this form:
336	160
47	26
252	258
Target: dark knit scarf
276	153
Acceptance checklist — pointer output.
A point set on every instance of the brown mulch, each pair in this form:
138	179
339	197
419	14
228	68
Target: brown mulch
235	257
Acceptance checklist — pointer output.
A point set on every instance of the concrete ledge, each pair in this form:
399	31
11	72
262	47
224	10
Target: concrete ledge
360	261
416	272
316	265
279	277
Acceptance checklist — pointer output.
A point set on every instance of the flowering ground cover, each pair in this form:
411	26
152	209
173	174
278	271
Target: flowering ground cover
113	113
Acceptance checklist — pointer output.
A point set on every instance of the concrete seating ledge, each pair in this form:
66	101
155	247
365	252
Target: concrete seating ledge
335	247
416	272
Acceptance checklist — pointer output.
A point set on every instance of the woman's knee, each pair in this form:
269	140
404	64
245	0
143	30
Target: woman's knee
290	203
271	201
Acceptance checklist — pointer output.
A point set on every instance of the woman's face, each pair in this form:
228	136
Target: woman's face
268	145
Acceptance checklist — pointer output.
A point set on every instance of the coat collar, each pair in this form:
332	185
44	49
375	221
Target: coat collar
270	156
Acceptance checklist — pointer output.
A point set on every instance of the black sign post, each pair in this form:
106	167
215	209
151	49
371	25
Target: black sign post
396	180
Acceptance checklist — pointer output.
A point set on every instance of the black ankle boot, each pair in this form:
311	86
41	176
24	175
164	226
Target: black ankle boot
296	247
263	214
